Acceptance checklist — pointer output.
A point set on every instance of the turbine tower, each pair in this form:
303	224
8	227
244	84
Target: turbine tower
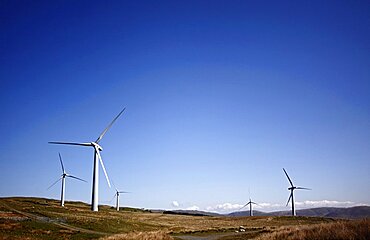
291	189
63	178
97	158
250	207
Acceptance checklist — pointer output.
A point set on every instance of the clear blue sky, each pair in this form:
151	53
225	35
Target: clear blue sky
220	96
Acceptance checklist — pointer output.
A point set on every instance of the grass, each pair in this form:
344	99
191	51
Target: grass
157	235
128	223
28	229
342	230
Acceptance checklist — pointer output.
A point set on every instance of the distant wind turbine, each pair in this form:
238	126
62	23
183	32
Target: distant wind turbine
117	195
63	178
97	149
291	189
117	199
250	207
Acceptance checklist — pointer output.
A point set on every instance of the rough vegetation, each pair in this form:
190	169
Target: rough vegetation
37	218
342	230
157	235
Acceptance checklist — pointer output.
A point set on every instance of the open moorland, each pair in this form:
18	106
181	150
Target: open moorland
39	218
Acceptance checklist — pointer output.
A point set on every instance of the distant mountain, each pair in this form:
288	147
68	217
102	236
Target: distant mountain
353	212
246	213
191	213
349	213
331	212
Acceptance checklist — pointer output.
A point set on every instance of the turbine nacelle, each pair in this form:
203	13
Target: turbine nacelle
97	146
119	192
291	188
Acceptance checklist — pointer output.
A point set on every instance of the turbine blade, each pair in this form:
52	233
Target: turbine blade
114	185
291	183
71	176
54	183
71	143
124	192
61	162
243	207
303	188
102	165
254	203
289	199
112	198
107	128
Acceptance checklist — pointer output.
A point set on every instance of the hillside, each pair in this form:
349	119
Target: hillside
40	218
347	213
192	213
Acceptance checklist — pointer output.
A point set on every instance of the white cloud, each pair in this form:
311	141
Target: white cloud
175	204
195	208
224	207
270	207
267	206
325	203
229	207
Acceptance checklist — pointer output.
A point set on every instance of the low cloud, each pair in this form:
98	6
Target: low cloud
195	208
325	203
230	207
224	207
267	206
175	204
270	207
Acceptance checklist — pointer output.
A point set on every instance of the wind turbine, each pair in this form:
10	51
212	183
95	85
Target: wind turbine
63	178
291	189
117	199
250	207
97	149
117	194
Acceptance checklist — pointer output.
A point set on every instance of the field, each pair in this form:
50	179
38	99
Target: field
37	218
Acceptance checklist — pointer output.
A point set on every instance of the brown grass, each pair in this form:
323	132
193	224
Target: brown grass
157	235
343	230
126	224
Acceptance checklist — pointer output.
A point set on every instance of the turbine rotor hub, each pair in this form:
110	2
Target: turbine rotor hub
97	146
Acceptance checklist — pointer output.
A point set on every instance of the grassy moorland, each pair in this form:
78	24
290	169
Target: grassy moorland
341	230
38	218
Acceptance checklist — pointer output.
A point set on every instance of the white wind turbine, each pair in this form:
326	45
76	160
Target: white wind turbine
97	149
291	189
117	195
117	199
250	207
63	178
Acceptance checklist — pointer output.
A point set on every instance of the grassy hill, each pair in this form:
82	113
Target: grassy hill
40	218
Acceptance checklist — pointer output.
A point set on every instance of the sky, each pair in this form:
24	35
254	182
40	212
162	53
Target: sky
219	97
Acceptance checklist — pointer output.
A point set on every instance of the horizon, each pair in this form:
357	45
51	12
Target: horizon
220	97
112	205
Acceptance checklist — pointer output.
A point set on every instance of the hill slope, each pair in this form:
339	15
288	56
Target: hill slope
40	218
348	213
